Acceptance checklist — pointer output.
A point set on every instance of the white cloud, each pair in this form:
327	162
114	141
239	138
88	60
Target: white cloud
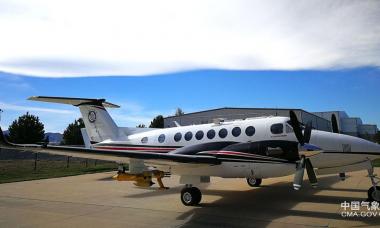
121	37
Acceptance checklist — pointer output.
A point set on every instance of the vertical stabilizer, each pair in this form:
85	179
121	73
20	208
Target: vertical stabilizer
99	124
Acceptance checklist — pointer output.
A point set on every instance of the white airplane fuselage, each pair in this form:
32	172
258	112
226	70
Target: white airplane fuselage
338	150
253	148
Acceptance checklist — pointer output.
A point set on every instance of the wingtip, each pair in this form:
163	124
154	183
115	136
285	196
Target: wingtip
31	98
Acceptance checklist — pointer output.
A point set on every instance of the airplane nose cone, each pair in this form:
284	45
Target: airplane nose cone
372	148
356	144
378	149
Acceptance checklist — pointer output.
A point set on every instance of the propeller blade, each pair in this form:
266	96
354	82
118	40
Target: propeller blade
310	173
307	132
334	124
296	127
298	177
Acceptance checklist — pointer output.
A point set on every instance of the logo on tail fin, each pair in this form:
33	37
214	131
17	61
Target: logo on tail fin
91	116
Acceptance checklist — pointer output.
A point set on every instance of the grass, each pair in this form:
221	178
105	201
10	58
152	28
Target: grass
23	169
376	163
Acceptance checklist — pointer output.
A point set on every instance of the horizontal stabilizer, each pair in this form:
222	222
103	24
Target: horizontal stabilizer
74	101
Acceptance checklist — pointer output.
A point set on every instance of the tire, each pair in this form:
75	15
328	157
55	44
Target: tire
254	182
371	194
198	195
191	196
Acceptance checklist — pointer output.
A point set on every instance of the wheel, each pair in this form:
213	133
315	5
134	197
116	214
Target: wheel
191	196
374	195
198	195
254	182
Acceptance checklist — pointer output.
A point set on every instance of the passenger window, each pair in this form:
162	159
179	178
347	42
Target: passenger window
211	134
144	140
161	138
177	137
249	131
223	133
236	131
277	128
188	136
199	135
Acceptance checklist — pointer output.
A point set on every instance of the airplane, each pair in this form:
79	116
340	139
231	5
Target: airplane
253	148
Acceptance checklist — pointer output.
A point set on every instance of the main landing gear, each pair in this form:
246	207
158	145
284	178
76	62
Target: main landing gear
254	182
374	191
190	195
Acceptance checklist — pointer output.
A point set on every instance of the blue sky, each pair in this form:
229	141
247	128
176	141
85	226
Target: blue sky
355	91
315	55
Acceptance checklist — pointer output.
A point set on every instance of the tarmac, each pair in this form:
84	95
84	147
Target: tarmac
95	200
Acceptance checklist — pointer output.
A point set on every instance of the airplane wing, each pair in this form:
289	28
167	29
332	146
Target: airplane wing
110	155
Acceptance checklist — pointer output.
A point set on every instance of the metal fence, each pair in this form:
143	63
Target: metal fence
36	160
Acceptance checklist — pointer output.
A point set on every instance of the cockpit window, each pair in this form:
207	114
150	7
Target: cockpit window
302	126
289	129
277	128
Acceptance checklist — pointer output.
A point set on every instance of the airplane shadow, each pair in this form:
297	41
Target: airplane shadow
258	207
106	179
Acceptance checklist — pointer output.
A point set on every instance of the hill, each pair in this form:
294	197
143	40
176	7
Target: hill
54	138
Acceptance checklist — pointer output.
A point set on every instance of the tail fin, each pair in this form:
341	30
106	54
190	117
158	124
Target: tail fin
99	124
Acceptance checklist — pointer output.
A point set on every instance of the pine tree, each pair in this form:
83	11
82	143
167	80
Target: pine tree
157	122
26	129
179	112
73	135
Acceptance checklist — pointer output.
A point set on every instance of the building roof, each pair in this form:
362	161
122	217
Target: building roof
234	108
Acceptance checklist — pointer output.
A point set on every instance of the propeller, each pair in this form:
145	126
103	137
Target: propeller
296	127
334	124
304	162
298	176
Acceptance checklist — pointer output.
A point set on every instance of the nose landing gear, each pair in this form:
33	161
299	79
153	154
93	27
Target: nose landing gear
254	182
374	191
